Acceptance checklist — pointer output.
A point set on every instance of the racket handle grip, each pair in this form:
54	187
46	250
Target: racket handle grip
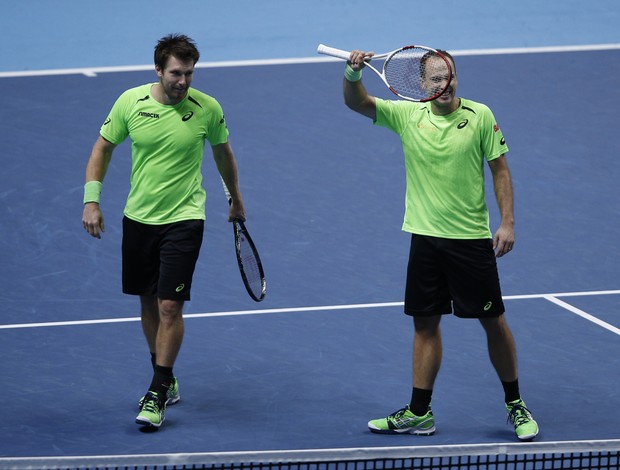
226	192
326	50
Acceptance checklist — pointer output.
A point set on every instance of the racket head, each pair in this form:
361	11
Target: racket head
417	73
249	262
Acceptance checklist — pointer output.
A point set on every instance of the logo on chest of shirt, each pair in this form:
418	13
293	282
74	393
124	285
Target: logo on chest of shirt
149	115
462	124
427	127
187	116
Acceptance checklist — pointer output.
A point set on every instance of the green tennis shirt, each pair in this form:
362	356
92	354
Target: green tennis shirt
444	161
167	148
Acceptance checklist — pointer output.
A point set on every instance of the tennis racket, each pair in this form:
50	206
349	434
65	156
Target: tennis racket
414	73
249	262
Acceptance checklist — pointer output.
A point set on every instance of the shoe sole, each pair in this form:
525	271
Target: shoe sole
174	400
148	423
528	437
417	432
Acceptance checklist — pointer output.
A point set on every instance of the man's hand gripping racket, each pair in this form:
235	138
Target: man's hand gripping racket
413	73
250	266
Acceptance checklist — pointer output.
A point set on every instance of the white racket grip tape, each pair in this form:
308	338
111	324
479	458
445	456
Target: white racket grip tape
326	50
226	192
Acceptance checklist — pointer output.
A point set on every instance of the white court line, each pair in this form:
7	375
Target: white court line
583	314
315	309
94	71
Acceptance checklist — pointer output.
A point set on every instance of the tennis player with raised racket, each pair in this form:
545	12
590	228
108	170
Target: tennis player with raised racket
452	261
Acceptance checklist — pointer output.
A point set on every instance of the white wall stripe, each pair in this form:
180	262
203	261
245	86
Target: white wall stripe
94	71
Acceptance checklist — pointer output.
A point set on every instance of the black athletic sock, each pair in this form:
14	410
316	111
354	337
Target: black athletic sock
511	391
420	401
162	378
153	360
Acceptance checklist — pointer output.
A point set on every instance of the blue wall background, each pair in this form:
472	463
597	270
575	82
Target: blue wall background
56	34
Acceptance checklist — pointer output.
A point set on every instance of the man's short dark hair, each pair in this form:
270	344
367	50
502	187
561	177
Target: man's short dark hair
177	45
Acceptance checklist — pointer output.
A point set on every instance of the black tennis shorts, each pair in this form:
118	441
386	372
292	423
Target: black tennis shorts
443	274
160	259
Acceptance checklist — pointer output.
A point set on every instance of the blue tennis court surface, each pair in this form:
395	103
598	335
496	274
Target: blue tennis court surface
329	348
324	193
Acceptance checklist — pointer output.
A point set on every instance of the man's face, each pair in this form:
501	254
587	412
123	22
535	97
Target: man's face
176	78
435	79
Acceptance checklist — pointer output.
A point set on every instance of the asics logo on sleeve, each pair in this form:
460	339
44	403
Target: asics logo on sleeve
107	121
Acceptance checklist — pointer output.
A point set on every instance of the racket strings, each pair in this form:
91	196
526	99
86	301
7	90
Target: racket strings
417	73
249	263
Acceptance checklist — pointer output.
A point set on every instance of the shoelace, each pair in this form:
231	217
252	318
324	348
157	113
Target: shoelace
151	403
396	417
398	414
519	415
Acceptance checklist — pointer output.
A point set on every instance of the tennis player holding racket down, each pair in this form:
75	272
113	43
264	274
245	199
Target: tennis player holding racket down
168	123
452	259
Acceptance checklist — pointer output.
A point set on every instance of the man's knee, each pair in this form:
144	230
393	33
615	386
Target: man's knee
170	309
426	325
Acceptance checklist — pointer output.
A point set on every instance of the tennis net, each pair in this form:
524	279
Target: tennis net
599	454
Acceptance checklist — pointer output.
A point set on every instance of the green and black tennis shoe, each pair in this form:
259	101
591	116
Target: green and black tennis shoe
172	395
526	428
152	411
404	421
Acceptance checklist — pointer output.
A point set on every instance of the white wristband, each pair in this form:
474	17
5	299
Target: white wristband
92	191
352	75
